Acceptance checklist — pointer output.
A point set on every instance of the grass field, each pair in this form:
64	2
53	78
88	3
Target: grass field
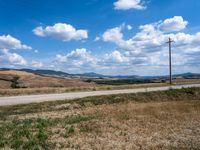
158	120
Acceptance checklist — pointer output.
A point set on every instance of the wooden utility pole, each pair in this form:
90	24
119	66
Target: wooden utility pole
170	59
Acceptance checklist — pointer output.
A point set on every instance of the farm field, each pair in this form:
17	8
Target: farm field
157	120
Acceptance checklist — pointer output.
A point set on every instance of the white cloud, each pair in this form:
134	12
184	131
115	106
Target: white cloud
81	60
16	59
116	57
146	52
12	58
37	64
77	58
129	27
9	42
97	38
151	36
116	36
177	23
113	34
61	31
149	47
129	4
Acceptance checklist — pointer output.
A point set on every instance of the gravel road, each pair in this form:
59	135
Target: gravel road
14	100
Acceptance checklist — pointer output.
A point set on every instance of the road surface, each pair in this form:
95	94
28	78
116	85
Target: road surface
14	100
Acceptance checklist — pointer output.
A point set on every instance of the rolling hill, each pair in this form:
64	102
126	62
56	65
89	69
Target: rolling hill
22	79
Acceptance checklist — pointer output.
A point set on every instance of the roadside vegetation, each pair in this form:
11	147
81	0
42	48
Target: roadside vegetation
52	90
49	90
120	81
157	120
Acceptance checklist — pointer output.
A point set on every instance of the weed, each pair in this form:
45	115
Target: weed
3	116
31	144
77	119
42	136
16	144
71	130
89	127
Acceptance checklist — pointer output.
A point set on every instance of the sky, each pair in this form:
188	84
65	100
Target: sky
111	37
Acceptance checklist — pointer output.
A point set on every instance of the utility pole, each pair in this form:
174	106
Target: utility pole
170	59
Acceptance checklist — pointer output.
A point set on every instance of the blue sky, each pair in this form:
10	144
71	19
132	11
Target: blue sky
105	36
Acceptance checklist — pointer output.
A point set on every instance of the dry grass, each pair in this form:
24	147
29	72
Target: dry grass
149	126
89	87
28	80
158	120
186	81
5	84
14	83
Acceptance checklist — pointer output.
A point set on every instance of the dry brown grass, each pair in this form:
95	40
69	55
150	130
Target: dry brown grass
158	120
87	87
29	80
165	125
29	83
186	81
155	125
5	84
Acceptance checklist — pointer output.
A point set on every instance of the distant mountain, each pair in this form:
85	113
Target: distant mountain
47	72
95	75
91	75
188	75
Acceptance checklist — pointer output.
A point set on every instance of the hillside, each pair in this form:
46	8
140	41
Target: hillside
95	75
21	79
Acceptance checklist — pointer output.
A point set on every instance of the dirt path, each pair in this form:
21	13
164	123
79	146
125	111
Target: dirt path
14	100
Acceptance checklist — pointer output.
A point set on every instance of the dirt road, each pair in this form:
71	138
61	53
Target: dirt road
14	100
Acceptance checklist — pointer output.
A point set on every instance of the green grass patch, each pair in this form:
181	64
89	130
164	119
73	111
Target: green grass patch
25	134
33	133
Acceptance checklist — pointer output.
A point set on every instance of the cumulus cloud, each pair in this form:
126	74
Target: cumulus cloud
37	64
129	4
82	60
61	31
16	59
9	42
11	58
177	23
77	58
145	52
129	27
115	57
148	46
116	36
113	34
152	36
